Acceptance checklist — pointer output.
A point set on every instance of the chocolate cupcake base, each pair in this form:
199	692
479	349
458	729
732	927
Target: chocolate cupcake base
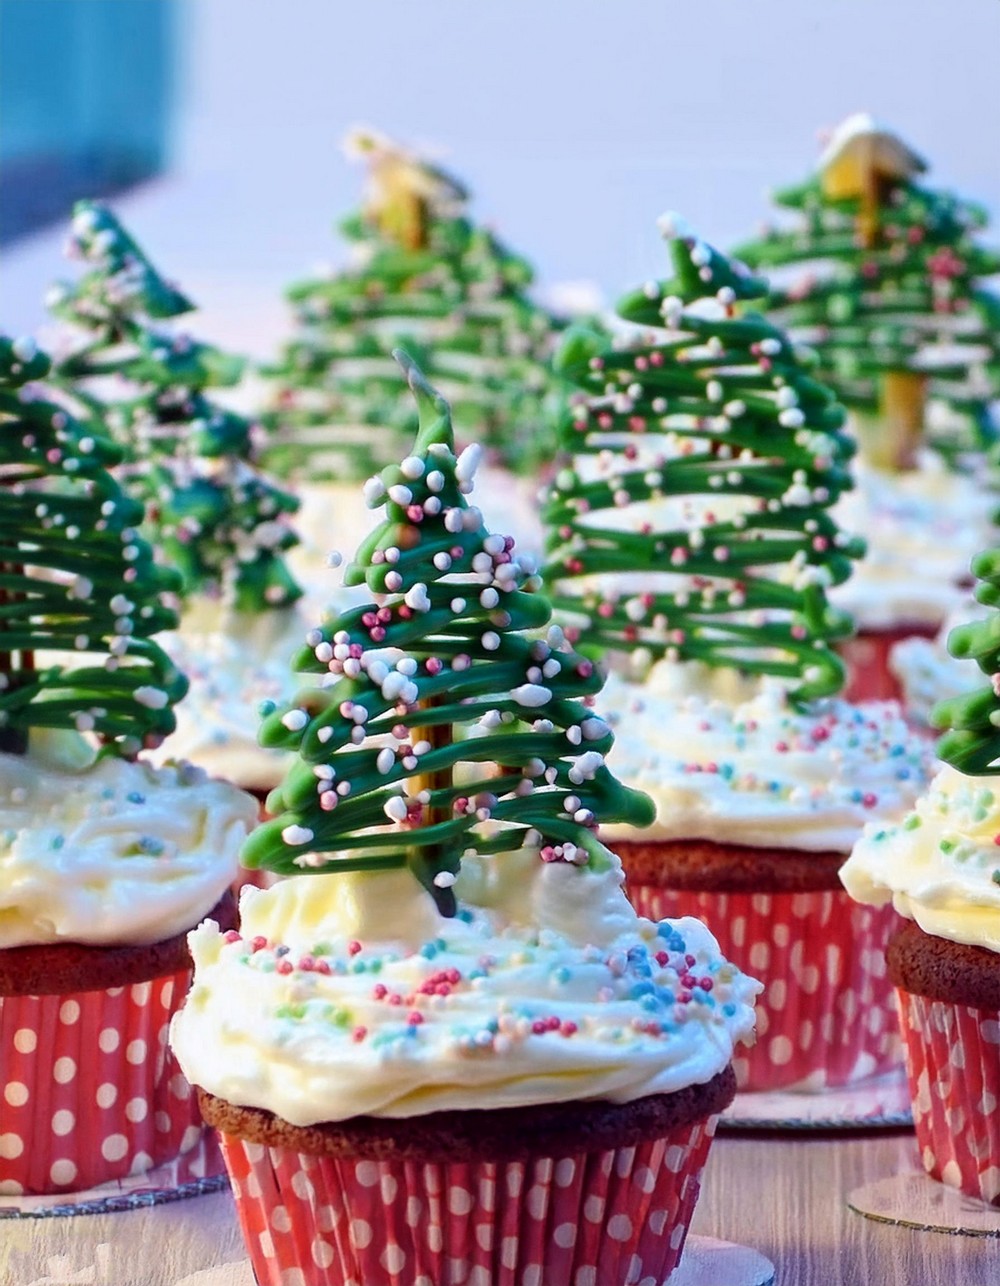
573	1192
949	1008
91	1092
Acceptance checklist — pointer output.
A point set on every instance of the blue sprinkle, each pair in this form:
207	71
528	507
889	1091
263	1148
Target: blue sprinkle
903	774
58	841
266	707
729	1009
282	951
428	950
134	797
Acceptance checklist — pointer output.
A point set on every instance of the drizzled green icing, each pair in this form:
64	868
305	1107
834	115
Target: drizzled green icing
445	289
910	301
74	576
972	740
380	778
209	510
712	406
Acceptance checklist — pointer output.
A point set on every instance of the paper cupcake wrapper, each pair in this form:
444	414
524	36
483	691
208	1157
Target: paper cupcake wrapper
869	676
827	1014
91	1092
953	1067
593	1219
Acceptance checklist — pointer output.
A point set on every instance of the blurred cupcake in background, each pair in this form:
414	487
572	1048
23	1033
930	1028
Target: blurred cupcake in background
882	277
692	542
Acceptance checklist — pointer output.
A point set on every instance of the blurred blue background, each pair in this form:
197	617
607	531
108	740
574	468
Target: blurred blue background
85	98
574	122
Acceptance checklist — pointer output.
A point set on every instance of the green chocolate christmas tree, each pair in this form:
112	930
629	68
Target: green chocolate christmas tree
694	521
389	768
425	276
75	576
972	740
885	282
210	511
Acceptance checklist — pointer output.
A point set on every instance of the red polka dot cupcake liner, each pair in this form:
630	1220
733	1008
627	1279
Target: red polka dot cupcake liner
91	1092
827	1016
869	675
953	1067
609	1218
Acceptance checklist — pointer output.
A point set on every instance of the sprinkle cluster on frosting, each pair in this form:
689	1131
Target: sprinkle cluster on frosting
714	406
748	768
426	278
108	851
510	1002
939	864
972	742
75	577
377	779
210	511
890	280
660	974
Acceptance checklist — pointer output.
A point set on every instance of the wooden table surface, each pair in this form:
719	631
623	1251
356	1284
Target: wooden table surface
783	1194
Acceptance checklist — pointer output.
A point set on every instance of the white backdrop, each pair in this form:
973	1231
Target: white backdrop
575	122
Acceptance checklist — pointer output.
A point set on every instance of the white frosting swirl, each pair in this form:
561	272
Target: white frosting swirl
923	528
547	987
112	852
940	864
730	760
928	673
234	662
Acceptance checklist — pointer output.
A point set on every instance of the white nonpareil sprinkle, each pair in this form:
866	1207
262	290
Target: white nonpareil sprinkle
400	495
532	695
395	809
412	468
444	880
386	761
416	597
468	462
151	698
295	720
295	835
373	491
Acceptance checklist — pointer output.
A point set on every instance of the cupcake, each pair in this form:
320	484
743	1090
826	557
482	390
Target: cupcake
882	277
691	543
938	867
447	1048
210	510
105	861
422	273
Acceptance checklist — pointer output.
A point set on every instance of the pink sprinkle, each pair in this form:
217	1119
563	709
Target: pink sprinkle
415	513
307	964
869	800
230	935
414	1018
585	669
359	1034
568	1028
284	966
258	943
380	991
353	948
434	665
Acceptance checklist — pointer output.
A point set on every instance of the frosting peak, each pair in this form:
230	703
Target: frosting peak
730	760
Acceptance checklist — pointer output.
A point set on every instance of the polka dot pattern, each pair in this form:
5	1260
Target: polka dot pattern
827	1014
76	1089
593	1218
953	1067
